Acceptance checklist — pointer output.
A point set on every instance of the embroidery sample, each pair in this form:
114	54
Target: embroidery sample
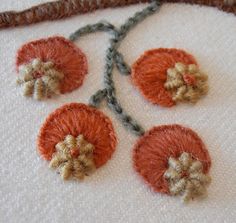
77	139
166	76
173	159
76	134
44	71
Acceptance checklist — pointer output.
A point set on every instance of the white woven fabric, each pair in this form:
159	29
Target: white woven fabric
31	192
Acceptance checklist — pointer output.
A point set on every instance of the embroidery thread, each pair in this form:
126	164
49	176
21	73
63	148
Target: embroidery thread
185	177
74	158
186	82
62	9
39	79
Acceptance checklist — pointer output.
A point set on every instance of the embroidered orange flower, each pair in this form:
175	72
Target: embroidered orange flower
173	159
50	66
75	136
166	76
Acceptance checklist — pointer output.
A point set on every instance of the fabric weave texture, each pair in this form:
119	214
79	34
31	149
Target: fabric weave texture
29	192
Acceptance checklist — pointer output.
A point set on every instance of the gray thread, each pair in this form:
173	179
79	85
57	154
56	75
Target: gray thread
111	97
104	26
121	65
113	57
131	22
100	26
97	98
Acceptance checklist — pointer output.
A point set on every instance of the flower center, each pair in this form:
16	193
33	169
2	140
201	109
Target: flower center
184	174
74	152
189	79
38	74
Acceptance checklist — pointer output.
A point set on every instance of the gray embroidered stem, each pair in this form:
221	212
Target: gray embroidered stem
121	65
131	22
138	17
105	27
97	98
127	120
111	97
113	57
100	26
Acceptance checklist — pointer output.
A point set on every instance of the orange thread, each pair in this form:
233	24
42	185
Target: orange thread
152	151
66	56
76	119
75	152
189	79
149	73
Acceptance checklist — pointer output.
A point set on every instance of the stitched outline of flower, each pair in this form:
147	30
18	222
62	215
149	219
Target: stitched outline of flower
150	75
66	57
77	119
157	148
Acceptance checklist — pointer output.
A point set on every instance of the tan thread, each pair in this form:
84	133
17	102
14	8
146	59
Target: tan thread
73	158
39	79
65	8
186	83
186	178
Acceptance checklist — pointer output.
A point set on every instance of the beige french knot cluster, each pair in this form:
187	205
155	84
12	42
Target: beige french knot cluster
186	178
186	83
73	158
39	79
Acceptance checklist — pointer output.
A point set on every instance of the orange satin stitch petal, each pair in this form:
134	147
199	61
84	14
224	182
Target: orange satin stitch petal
149	73
75	119
66	56
152	151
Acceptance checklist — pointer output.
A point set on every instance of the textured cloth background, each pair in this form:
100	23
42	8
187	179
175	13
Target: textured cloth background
30	192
